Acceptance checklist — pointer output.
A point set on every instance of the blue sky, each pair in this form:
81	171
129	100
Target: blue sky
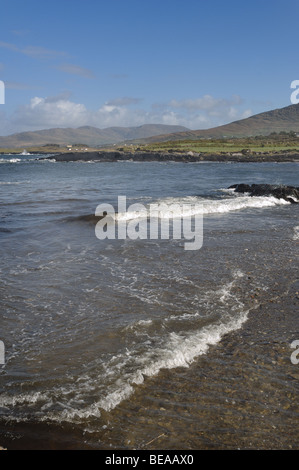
199	64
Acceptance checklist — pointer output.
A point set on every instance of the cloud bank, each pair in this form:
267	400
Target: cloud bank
61	111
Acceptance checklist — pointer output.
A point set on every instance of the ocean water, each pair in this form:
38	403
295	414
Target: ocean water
87	322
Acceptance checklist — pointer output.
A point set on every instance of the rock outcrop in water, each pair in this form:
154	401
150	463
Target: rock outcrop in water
288	193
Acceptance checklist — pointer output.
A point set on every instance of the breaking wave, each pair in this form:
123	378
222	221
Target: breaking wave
186	207
127	369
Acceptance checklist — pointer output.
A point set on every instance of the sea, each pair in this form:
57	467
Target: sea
90	324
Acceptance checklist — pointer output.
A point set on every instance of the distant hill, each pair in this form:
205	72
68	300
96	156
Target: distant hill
284	119
89	136
278	120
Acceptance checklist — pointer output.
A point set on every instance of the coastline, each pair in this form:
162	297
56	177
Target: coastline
189	157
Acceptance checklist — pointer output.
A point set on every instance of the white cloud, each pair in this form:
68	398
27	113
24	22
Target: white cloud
202	113
60	111
43	113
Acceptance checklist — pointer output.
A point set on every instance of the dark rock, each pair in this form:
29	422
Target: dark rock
288	193
241	188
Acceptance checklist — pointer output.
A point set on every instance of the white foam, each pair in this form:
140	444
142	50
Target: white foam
12	160
180	351
139	323
13	401
296	233
8	183
203	206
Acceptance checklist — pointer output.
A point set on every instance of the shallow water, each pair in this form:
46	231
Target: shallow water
87	322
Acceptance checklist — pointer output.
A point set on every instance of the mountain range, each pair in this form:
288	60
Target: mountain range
89	136
278	120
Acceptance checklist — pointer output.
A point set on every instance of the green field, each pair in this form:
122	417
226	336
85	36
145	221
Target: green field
272	144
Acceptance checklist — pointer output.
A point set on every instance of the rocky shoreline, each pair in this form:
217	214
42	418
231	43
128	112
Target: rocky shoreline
189	157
